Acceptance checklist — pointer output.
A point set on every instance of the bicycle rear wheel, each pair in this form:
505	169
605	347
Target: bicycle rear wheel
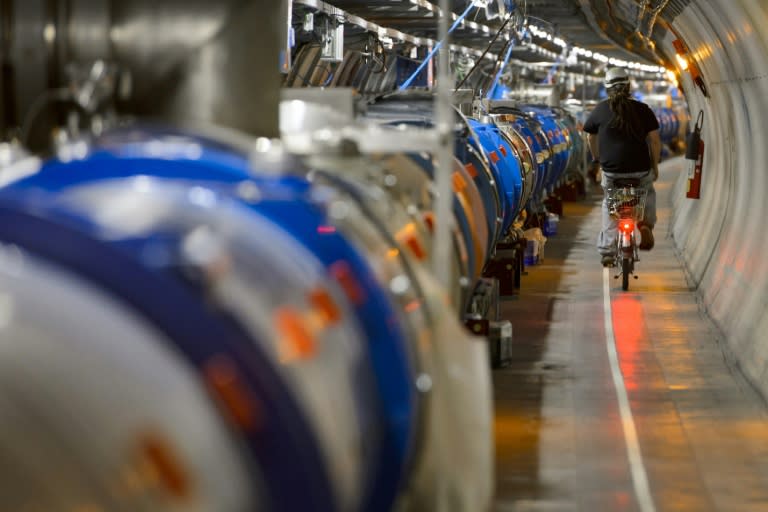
626	269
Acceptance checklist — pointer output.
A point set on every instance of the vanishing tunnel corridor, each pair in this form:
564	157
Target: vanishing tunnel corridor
702	429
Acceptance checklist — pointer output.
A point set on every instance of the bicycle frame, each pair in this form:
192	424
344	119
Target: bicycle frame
626	203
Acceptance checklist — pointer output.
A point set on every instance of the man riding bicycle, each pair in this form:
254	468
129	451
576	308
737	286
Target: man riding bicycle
623	135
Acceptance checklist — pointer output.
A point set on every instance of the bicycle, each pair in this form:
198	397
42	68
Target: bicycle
626	203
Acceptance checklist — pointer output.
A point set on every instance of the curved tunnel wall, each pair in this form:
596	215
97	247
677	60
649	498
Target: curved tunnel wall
722	236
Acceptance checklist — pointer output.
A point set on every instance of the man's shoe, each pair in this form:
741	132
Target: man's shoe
608	260
646	238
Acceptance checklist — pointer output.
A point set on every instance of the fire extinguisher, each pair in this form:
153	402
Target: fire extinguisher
695	151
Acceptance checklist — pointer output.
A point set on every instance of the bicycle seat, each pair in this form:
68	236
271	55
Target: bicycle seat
626	182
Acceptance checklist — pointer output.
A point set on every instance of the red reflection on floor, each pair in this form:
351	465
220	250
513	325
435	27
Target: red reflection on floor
628	326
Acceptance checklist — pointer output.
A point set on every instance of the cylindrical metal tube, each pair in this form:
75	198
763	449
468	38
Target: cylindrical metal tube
191	61
444	118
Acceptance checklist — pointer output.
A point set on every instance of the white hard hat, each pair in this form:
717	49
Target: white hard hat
616	76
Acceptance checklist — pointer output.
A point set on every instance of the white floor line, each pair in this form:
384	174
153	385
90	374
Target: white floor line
636	466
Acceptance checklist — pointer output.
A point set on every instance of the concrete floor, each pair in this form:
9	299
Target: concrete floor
561	443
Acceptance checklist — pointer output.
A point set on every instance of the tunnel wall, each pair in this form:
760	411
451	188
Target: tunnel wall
722	237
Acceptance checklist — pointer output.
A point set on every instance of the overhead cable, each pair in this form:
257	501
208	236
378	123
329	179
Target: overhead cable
487	49
456	23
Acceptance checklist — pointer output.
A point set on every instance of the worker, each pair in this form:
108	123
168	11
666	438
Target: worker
623	136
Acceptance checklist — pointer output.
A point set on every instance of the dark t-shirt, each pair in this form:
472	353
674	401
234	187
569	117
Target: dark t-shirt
621	153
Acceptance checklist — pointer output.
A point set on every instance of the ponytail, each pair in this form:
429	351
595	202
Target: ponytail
619	101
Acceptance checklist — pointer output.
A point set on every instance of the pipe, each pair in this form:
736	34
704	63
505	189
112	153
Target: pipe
584	114
501	69
190	61
442	40
441	258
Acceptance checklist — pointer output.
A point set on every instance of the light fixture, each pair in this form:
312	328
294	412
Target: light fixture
672	77
682	55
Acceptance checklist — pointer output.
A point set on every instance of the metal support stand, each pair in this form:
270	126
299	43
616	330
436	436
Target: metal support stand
507	266
571	191
554	204
500	342
485	320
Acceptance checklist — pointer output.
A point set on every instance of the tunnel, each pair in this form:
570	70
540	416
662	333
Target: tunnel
379	255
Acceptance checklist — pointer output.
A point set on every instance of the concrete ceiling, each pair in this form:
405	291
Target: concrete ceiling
604	26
